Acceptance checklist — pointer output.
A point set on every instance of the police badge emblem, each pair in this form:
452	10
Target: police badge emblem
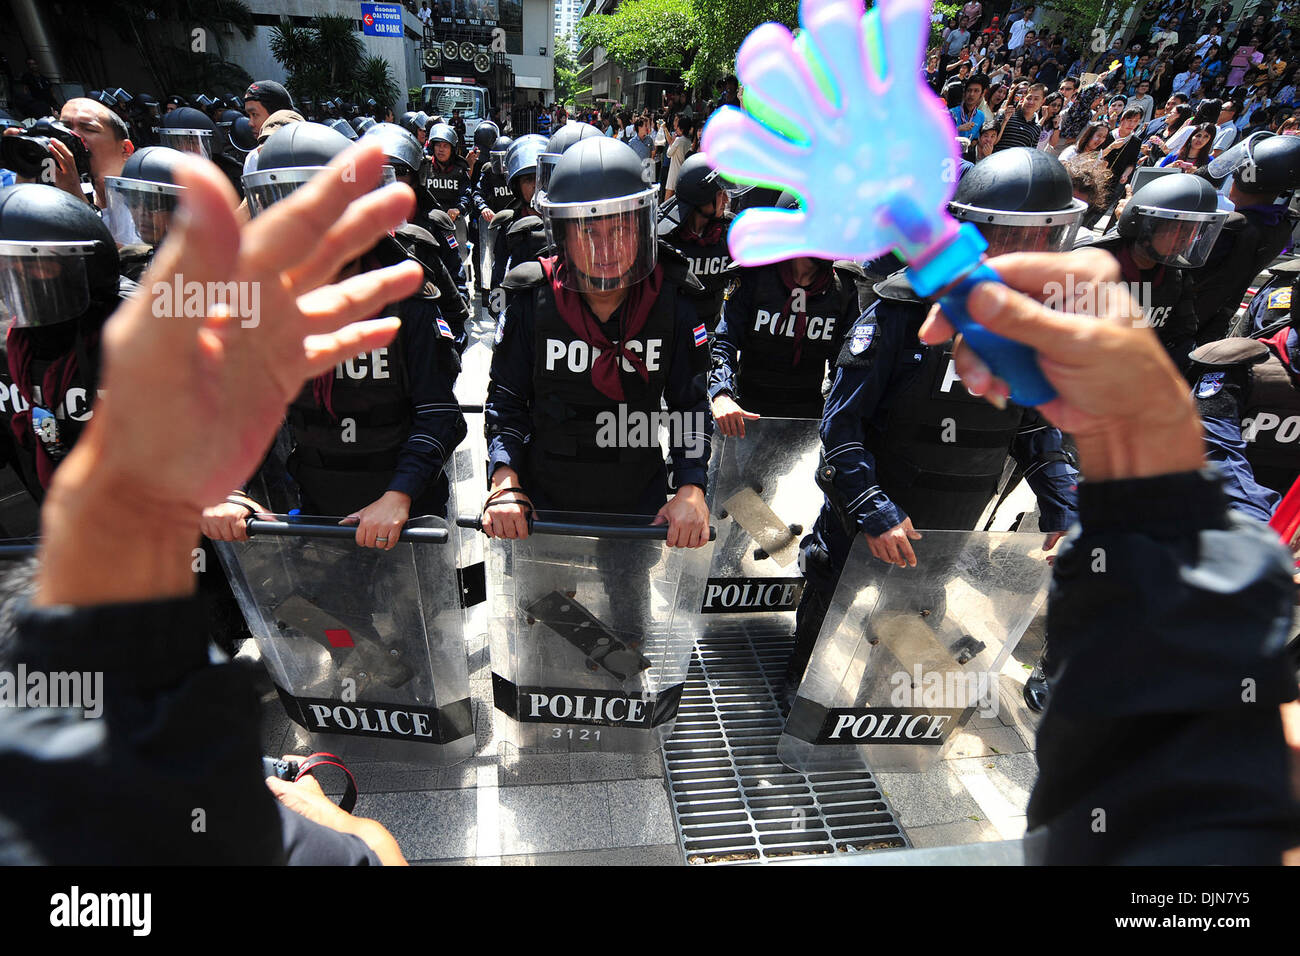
1211	384
861	337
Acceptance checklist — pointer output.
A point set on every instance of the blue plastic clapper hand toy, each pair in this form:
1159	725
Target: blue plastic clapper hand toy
841	117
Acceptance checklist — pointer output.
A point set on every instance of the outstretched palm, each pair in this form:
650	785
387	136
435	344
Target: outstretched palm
216	384
840	117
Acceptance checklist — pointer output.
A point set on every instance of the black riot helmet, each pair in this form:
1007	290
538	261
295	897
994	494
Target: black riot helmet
698	184
787	200
485	136
1272	167
521	161
600	215
443	133
362	123
1174	220
421	120
290	156
239	132
407	121
402	148
188	130
497	154
564	137
1022	200
147	191
56	256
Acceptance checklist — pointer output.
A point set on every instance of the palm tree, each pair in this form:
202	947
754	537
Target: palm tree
338	46
374	77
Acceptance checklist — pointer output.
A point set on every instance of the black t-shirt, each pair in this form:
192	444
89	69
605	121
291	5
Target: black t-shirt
1118	160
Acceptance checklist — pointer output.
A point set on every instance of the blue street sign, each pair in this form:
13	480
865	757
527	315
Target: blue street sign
381	19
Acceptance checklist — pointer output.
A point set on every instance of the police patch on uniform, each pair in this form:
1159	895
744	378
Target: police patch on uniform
1279	299
860	340
701	334
451	240
1211	384
444	328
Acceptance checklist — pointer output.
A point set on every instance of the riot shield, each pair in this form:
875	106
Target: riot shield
366	647
764	499
907	655
592	622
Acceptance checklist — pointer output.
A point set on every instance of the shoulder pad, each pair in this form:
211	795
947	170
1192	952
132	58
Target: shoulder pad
859	342
896	288
411	231
442	220
503	218
1228	352
527	224
1286	266
524	275
676	268
850	267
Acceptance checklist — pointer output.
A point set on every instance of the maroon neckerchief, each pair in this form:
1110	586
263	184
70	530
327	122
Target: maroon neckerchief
818	285
1130	270
58	377
710	237
633	315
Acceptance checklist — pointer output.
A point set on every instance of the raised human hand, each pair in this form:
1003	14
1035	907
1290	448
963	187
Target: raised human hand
840	117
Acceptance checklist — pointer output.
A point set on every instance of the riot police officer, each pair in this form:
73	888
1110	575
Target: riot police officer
1260	227
781	324
447	180
519	235
595	340
370	437
1270	307
701	233
490	195
188	130
1248	395
59	280
904	445
434	247
562	139
147	193
1166	230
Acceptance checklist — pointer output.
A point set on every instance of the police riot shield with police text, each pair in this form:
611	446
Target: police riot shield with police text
366	647
907	655
765	498
591	634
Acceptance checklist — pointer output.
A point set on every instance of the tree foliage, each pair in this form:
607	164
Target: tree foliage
566	71
660	32
328	59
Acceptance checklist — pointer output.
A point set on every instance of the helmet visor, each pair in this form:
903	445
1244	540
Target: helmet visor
150	206
44	283
1176	238
1023	231
197	141
604	245
545	165
497	160
266	187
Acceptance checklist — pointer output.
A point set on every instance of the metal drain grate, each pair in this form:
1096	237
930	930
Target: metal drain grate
733	800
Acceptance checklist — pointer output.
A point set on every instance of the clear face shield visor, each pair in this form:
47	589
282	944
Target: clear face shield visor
150	205
266	187
1023	231
605	244
197	141
1176	238
44	283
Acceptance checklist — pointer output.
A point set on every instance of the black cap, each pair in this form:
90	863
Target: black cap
270	94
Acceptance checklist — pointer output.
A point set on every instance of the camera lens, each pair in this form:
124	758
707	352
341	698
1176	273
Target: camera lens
25	155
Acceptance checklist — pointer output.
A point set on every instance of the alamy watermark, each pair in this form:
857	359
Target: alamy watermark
955	690
632	428
194	300
78	690
1132	299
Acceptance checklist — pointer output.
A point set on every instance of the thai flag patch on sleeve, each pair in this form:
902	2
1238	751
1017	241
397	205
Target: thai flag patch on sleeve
701	335
451	240
444	328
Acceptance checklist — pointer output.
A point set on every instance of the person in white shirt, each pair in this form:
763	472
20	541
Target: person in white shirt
1143	101
677	152
1227	129
1019	29
1208	40
425	13
1189	81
